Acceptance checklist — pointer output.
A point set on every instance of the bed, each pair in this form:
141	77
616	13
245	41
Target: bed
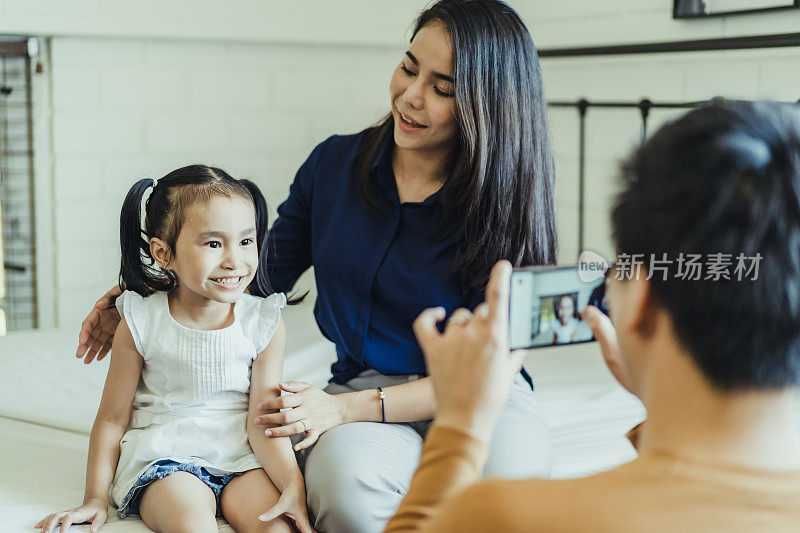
48	400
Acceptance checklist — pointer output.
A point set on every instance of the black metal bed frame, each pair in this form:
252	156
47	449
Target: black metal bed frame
646	105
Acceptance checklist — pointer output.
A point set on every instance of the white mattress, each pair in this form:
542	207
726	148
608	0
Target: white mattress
48	400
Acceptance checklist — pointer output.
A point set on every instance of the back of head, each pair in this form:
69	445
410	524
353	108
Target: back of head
723	182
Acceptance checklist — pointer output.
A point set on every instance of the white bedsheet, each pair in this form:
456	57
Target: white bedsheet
43	382
48	400
43	472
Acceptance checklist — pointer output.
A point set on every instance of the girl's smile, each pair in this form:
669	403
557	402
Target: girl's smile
216	255
228	283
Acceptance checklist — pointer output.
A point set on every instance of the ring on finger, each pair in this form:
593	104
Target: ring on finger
305	427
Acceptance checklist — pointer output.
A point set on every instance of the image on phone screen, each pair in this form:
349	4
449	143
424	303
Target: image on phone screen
546	305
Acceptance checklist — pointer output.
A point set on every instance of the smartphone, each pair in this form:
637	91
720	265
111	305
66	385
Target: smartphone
546	304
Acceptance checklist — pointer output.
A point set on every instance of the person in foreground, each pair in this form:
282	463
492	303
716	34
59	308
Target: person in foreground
716	362
173	439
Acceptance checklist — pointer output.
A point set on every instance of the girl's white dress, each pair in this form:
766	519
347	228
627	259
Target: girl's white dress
192	400
564	332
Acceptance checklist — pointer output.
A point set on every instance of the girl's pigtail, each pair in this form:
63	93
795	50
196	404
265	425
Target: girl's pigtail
133	273
260	286
262	215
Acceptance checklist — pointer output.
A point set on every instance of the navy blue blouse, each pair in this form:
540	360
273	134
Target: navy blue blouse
374	273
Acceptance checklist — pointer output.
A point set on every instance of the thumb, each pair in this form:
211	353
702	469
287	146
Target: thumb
294	386
602	328
517	359
303	524
606	336
278	509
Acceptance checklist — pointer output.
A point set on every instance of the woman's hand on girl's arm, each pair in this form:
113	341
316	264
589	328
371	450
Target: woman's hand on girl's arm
313	411
276	455
97	330
109	426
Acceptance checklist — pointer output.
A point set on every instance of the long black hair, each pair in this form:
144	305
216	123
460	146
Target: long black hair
499	194
573	297
165	211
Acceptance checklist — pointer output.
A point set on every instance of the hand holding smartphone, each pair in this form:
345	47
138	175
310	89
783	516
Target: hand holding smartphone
546	305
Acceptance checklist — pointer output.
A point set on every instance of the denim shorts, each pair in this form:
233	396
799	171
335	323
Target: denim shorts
164	467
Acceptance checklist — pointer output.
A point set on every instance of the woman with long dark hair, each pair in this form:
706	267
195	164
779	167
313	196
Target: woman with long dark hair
409	214
565	325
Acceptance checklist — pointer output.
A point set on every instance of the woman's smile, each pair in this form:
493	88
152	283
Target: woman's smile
422	92
405	123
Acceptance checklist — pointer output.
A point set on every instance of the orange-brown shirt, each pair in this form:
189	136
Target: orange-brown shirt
656	492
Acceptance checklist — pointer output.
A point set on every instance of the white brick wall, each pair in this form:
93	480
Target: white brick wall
126	109
771	73
611	134
570	23
362	22
252	86
555	24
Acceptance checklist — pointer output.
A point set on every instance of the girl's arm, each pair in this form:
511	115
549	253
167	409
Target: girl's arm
114	413
276	455
109	427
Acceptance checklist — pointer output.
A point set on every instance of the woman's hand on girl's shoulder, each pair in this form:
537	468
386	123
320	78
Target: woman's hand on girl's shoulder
97	330
92	511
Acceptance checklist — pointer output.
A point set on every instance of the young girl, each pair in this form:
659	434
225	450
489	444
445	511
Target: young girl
173	438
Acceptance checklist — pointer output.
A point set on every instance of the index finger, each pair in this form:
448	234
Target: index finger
603	330
425	325
51	524
87	326
113	292
497	293
66	522
275	511
280	402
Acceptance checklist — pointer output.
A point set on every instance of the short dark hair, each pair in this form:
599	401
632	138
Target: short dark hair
723	178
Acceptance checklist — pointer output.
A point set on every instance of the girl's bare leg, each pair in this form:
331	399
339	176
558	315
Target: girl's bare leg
247	497
179	503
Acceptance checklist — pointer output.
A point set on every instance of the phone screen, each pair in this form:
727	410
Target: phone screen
546	305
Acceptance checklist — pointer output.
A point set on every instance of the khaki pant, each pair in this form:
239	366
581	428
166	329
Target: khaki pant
357	474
